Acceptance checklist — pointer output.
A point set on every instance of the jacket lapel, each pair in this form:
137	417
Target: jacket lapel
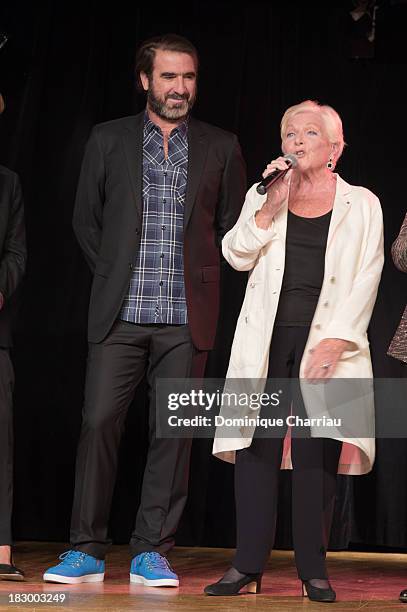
133	149
280	221
197	152
342	204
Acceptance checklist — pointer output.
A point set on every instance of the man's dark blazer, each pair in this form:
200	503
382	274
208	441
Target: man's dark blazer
12	248
108	218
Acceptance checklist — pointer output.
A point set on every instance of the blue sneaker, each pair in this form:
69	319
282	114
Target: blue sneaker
76	567
151	569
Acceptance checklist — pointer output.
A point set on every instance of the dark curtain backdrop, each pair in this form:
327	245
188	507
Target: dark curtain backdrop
68	66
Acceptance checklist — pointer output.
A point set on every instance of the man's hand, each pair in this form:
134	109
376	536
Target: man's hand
323	359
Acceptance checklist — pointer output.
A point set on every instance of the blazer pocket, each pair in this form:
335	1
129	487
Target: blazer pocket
103	267
210	274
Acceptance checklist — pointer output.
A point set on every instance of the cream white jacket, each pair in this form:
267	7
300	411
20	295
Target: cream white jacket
353	264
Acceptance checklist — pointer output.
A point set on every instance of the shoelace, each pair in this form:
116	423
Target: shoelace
155	560
72	557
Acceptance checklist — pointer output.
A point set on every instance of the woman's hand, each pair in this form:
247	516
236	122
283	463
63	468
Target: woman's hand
323	359
276	194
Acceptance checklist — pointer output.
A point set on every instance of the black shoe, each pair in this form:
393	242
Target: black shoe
314	593
233	581
8	571
403	596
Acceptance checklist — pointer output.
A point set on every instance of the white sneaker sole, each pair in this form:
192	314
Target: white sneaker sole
73	580
136	579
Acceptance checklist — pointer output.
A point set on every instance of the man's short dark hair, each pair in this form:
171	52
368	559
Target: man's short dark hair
168	42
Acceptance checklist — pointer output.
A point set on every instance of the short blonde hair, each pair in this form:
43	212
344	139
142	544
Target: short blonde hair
329	116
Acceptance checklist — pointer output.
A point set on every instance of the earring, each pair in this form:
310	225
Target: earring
330	164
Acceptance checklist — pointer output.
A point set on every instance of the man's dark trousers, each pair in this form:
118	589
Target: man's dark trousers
6	446
115	368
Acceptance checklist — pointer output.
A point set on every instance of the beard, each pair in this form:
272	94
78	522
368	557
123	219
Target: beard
175	112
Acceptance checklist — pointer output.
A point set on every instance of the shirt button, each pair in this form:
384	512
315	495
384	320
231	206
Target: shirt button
318	326
162	255
165	173
161	283
163	227
332	279
252	285
326	304
164	200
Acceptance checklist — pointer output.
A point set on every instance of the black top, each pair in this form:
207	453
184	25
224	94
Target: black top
304	268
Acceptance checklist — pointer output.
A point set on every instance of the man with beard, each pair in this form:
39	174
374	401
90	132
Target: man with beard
156	194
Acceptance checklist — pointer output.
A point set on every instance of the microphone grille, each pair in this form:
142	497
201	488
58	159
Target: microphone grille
291	158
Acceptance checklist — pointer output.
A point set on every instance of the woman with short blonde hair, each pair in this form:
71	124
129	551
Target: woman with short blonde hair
329	116
313	246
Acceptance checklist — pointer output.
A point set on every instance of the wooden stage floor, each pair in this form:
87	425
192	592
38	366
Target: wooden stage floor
363	581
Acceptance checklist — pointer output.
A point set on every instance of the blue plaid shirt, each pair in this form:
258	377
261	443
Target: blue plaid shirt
156	292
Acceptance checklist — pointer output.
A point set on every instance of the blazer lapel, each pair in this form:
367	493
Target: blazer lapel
342	204
133	149
197	152
280	221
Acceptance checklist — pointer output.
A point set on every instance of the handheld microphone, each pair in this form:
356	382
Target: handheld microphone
291	162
